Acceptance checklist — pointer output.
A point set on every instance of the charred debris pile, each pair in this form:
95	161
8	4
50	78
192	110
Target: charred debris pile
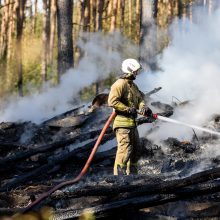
34	158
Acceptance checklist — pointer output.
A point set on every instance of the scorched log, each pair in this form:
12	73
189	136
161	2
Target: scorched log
53	162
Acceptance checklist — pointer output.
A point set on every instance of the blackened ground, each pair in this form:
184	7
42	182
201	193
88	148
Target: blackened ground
36	157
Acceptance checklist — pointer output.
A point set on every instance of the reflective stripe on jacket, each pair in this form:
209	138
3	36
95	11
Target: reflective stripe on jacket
124	94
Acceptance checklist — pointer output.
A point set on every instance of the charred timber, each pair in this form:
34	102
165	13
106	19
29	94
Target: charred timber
10	161
65	114
155	90
8	146
73	155
135	203
46	148
140	185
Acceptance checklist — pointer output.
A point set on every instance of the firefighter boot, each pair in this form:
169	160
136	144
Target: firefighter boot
121	170
133	169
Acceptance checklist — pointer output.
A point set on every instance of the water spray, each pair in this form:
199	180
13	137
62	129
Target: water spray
187	125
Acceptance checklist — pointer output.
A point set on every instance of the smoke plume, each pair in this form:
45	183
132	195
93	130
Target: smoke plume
190	71
102	55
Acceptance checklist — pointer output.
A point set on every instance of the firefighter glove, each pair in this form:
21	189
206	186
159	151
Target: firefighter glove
132	111
146	112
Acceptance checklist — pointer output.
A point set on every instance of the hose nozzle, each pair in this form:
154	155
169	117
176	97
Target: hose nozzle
155	116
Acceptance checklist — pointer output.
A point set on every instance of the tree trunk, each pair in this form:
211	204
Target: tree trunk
130	16
145	23
100	6
10	31
146	17
138	16
114	16
109	10
155	8
86	24
82	12
4	30
52	28
85	15
122	20
34	20
45	40
29	9
180	8
65	39
93	17
20	6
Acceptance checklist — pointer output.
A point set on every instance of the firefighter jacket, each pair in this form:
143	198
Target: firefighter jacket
124	94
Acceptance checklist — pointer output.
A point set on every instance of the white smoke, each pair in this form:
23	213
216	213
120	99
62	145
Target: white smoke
103	55
190	71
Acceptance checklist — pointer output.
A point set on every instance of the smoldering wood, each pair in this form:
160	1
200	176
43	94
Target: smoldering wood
214	210
155	90
114	205
71	112
51	163
186	146
8	146
69	121
143	185
32	171
46	148
134	203
10	160
11	132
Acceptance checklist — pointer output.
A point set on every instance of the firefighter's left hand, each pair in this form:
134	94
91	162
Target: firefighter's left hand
152	118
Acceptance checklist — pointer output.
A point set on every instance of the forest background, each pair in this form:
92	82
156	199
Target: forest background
41	40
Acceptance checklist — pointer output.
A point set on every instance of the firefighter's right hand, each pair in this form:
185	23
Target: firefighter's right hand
132	111
147	112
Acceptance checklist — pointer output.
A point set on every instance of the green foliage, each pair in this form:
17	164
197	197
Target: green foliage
32	47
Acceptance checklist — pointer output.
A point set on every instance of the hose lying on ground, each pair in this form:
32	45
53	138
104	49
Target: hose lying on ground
83	171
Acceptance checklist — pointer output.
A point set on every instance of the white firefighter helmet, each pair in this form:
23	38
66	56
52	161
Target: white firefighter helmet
130	66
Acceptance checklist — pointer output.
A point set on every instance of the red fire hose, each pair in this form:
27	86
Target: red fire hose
83	171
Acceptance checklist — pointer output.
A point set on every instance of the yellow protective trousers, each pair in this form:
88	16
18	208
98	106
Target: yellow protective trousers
128	150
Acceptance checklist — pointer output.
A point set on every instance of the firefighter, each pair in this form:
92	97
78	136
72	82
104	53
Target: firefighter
126	98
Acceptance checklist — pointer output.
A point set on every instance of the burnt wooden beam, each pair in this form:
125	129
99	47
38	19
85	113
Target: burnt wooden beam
111	207
140	185
155	90
70	112
5	147
53	162
9	211
135	203
10	160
